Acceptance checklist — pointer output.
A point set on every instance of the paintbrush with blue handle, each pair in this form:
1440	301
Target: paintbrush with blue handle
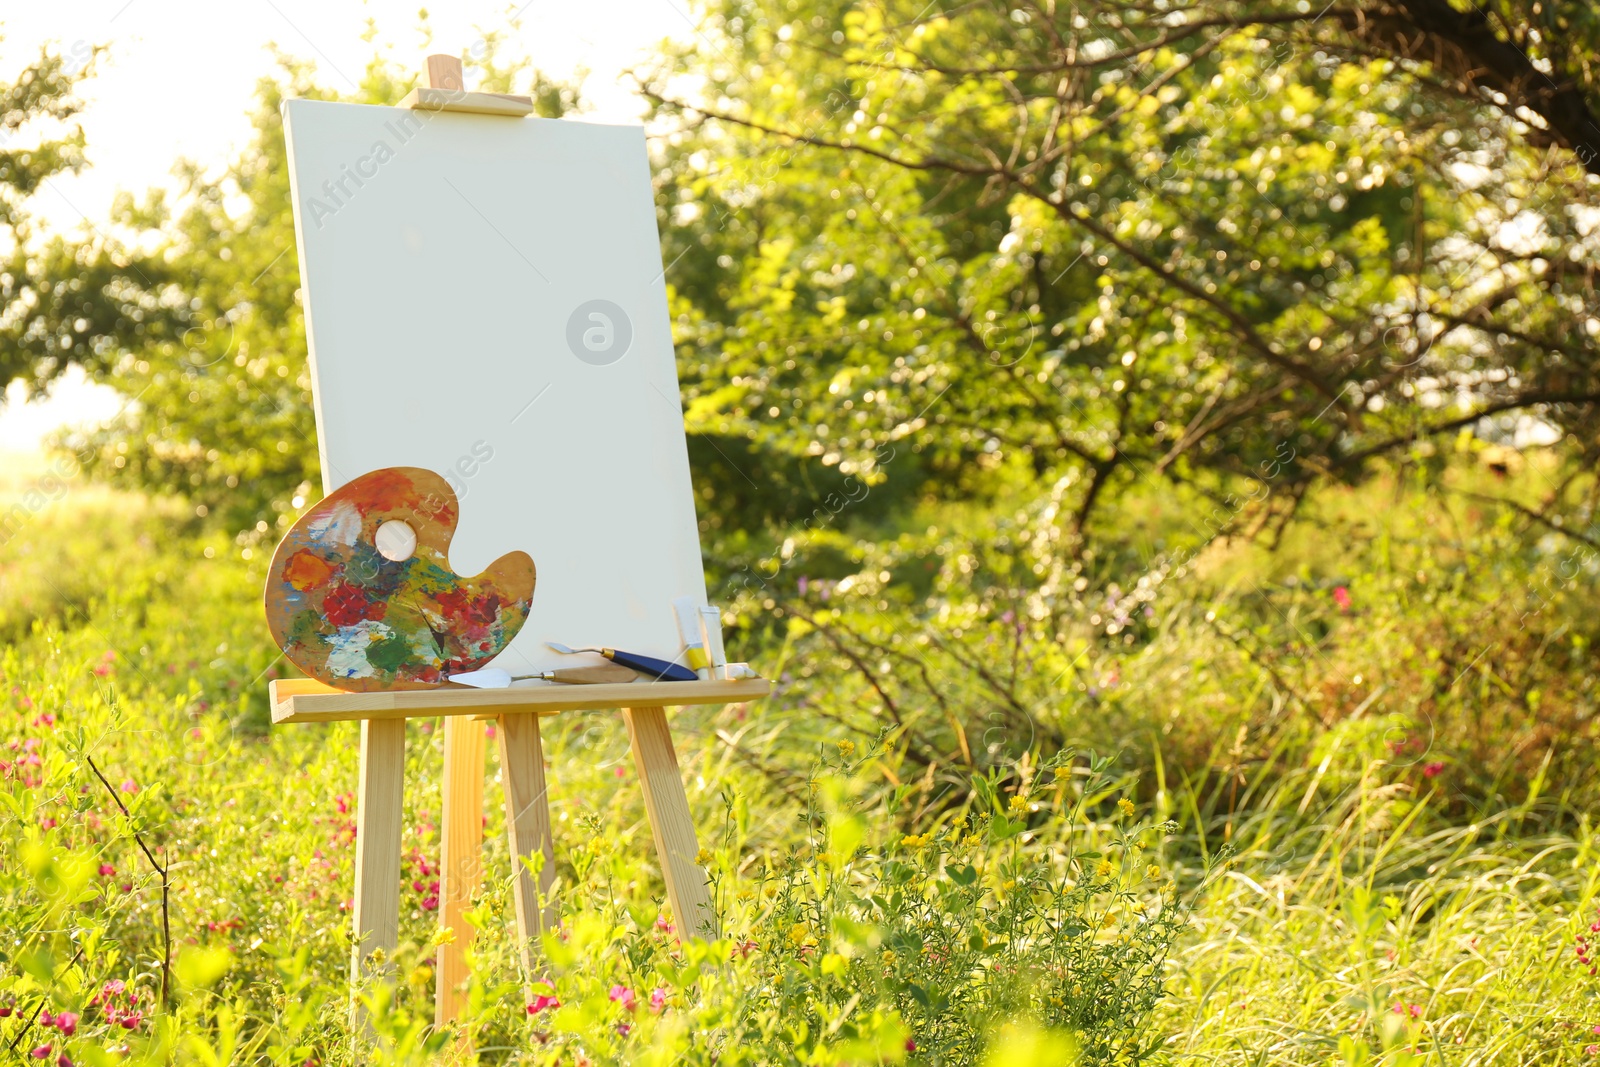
659	670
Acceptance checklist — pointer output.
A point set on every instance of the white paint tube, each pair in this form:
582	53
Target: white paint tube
689	628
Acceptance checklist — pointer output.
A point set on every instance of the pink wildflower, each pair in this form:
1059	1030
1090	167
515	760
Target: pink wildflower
106	870
130	786
1433	770
67	1023
624	996
658	999
543	1003
1341	597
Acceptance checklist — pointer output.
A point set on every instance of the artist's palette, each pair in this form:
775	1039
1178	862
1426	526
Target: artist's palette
361	595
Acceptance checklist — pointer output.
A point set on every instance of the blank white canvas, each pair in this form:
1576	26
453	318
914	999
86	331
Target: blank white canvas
442	259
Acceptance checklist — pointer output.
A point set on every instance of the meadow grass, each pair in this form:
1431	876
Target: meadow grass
1306	876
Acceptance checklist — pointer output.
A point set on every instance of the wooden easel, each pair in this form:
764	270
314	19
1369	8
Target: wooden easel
516	713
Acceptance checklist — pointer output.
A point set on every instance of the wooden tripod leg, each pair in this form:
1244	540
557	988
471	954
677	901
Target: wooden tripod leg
378	816
670	823
527	827
461	863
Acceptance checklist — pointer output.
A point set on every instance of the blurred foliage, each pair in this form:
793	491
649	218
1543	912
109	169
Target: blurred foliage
922	254
80	300
1417	603
1092	246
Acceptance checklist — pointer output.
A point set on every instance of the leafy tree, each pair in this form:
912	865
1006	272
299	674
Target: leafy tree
1236	247
63	301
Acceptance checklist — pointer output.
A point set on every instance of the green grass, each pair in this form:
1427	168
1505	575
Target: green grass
1356	926
1309	852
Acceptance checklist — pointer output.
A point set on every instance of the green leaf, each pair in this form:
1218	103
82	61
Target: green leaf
199	967
964	875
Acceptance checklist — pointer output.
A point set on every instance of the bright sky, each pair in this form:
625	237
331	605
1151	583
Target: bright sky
179	78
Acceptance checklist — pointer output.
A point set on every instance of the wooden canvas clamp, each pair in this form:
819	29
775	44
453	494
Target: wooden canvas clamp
446	91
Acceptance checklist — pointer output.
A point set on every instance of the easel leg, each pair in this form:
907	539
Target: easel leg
670	823
527	826
461	864
378	816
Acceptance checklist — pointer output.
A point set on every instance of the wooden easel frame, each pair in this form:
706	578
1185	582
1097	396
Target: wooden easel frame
516	713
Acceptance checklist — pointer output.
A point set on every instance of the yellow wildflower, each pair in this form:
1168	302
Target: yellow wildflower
1110	920
445	935
1125	806
1103	869
1019	803
1153	871
847	748
702	857
799	935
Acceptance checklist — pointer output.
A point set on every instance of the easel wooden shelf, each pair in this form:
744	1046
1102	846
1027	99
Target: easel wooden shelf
304	700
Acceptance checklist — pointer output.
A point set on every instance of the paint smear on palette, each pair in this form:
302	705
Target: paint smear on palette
349	616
